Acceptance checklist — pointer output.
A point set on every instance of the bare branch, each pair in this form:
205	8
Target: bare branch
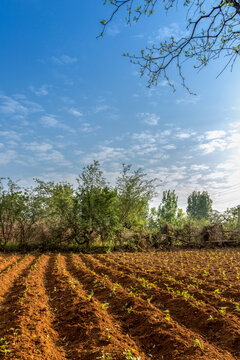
212	32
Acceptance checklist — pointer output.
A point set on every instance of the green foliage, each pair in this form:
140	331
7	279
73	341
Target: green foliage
55	215
10	209
199	205
168	208
229	218
134	192
97	203
59	210
167	211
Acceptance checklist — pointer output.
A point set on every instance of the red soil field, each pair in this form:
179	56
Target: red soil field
142	306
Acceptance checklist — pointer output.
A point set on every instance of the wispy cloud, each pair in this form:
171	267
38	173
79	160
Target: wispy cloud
101	107
213	145
107	154
219	140
42	91
182	135
19	106
11	106
10	135
88	128
75	112
41	147
191	99
7	156
202	167
149	118
173	30
113	30
216	134
44	152
63	60
51	121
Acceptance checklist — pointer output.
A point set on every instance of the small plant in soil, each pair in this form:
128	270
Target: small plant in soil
3	346
91	295
130	355
197	343
167	317
223	310
105	356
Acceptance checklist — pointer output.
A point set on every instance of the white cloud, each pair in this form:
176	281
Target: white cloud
235	124
101	108
219	140
106	154
7	156
210	135
173	30
11	106
215	175
18	108
41	147
75	112
10	135
55	157
42	91
149	118
44	152
113	30
185	134
63	60
191	99
49	121
213	145
144	137
169	147
199	167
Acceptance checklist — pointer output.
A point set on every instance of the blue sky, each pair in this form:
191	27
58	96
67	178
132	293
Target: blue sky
67	98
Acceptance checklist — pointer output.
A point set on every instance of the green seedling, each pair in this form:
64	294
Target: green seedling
237	307
130	355
3	346
91	295
167	317
15	331
223	310
149	300
130	309
105	306
108	335
115	286
198	344
104	356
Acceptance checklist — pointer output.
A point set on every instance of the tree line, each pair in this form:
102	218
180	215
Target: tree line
52	215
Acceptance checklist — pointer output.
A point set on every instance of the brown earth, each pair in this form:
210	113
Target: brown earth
168	305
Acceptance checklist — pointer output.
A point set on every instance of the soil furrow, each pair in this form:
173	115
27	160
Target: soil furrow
34	337
10	305
87	331
7	278
202	319
230	307
146	324
9	263
210	274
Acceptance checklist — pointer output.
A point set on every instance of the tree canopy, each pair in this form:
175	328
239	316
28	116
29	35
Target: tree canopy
199	205
212	30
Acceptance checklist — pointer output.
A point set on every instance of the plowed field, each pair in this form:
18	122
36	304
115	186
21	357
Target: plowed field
144	306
